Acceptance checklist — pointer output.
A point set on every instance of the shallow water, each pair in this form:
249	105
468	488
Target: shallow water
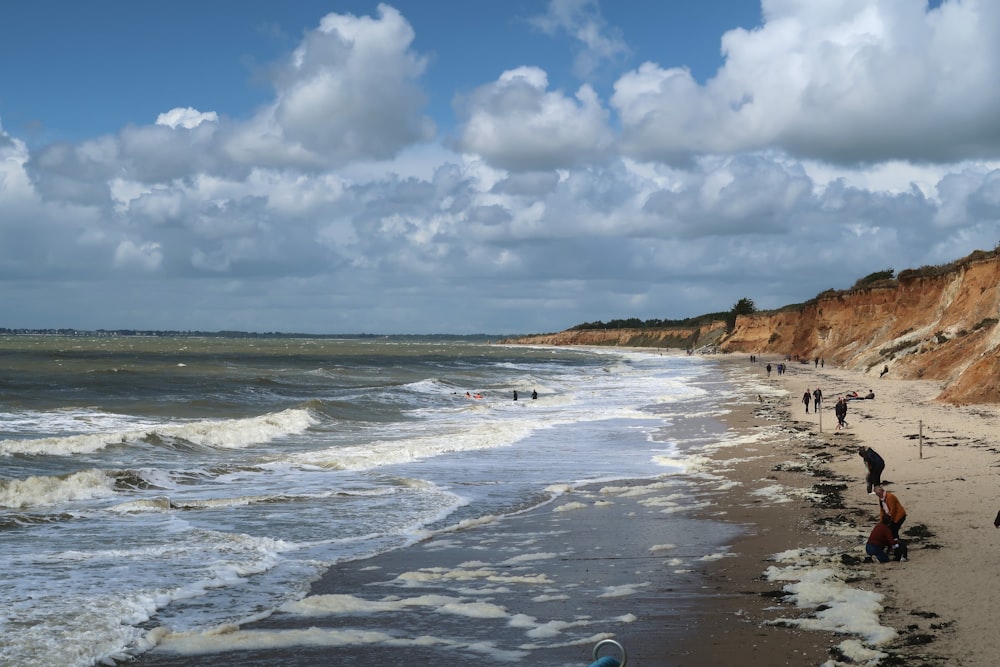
193	482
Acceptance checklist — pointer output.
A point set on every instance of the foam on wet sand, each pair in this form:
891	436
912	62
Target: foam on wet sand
790	588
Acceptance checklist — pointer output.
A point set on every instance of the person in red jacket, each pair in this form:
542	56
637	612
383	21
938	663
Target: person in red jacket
881	543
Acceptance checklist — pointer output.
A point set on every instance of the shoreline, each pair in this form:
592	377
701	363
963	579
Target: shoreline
797	495
934	609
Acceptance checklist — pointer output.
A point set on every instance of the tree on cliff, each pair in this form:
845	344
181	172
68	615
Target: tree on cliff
884	276
744	306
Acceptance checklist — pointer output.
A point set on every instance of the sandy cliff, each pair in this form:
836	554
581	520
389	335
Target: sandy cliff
934	323
684	338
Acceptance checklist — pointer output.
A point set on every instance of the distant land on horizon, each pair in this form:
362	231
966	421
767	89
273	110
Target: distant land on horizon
155	333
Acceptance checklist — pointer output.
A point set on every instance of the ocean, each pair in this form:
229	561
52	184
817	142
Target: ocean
198	482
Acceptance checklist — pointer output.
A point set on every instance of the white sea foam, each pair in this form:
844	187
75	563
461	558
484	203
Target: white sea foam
819	582
232	639
64	446
437	575
569	507
85	601
528	558
157	504
236	433
623	590
223	433
41	491
386	452
779	493
164	503
325	605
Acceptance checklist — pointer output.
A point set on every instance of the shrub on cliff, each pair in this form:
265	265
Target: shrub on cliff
744	306
872	279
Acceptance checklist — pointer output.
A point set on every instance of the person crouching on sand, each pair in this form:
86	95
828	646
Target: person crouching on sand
881	543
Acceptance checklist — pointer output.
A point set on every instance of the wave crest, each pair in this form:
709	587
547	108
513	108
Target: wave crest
39	490
220	433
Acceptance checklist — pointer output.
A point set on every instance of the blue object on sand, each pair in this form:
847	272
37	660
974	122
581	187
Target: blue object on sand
608	661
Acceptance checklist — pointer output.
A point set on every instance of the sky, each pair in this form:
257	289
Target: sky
499	167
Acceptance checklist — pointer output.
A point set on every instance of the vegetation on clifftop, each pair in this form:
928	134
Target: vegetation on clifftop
689	331
636	323
744	306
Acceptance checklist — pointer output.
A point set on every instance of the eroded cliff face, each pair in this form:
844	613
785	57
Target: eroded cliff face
935	325
938	327
667	338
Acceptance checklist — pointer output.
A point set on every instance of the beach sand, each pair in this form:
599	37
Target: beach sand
790	587
941	463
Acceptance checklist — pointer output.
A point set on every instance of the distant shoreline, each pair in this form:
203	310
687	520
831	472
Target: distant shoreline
156	333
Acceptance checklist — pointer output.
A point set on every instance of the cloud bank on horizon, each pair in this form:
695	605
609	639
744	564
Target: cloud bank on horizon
603	180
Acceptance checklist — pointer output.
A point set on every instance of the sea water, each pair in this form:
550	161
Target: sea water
193	482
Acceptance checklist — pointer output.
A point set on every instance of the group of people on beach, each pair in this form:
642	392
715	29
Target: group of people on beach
780	368
855	396
815	397
534	395
839	408
883	543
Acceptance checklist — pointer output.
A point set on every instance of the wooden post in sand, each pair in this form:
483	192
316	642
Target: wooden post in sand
920	440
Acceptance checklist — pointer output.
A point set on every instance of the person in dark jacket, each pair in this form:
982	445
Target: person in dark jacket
875	465
840	409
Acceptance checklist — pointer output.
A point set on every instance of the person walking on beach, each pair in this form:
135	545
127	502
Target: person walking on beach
817	397
875	465
889	505
881	543
769	370
840	409
806	400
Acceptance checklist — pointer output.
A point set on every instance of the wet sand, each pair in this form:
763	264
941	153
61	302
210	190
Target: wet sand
786	500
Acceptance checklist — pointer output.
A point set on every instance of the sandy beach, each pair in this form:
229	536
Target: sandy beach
933	609
790	587
941	463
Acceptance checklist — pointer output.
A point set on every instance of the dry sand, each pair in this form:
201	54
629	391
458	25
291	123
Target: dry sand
941	463
792	590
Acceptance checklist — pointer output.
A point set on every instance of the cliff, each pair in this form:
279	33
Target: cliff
938	323
933	323
678	337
